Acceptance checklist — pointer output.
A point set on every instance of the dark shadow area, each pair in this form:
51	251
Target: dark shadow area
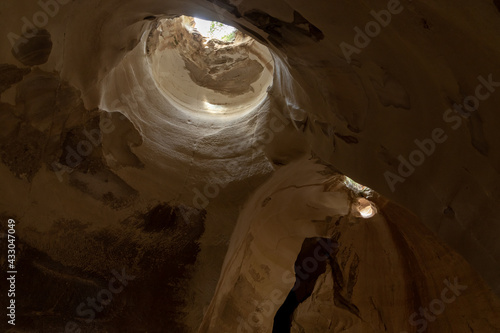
310	264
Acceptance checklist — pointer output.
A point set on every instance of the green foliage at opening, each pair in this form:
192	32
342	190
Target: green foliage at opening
216	27
230	37
358	188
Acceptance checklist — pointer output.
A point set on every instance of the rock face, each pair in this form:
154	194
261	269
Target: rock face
387	273
161	181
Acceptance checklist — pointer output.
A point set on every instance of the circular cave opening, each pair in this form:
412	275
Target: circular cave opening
208	67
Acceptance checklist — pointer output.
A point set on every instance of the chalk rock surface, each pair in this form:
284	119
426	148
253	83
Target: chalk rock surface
164	181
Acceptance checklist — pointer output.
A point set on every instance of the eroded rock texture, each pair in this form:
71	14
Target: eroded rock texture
162	181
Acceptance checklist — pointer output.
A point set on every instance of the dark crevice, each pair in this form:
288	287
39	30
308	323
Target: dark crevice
281	32
165	216
310	264
497	4
347	138
226	5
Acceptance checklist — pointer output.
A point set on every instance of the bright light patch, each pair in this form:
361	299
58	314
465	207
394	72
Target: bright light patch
366	212
215	30
365	208
212	108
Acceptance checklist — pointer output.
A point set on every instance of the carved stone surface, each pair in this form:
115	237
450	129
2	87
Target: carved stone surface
162	181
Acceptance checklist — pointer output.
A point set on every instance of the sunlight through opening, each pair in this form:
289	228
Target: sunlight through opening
215	30
365	208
